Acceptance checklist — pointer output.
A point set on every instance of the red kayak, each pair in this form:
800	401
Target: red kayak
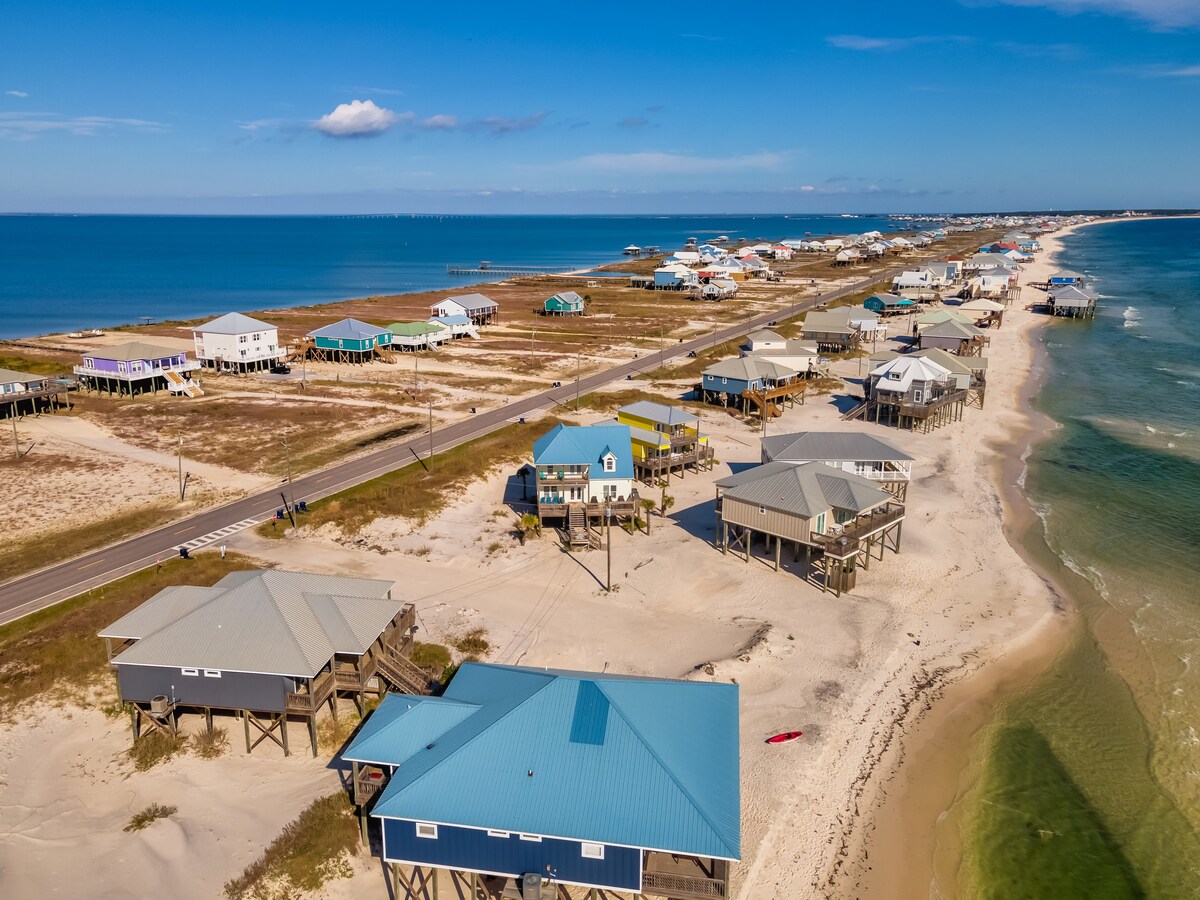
785	737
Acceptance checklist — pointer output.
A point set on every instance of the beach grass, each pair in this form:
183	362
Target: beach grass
311	850
57	647
149	816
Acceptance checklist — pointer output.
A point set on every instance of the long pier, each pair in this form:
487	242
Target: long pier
490	269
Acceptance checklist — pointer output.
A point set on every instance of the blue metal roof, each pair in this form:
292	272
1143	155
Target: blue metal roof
451	320
576	445
636	762
349	330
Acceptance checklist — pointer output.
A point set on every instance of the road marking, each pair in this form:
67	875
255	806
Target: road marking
219	534
93	563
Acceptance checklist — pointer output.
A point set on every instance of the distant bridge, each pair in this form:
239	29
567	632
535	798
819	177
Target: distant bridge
487	268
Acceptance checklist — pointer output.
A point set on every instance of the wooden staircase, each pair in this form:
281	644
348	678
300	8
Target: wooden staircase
578	534
857	412
178	384
403	675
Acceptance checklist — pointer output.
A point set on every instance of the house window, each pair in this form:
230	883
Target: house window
610	492
724	381
762	510
610	464
427	830
242	339
212	673
533	838
192	672
497	834
592	851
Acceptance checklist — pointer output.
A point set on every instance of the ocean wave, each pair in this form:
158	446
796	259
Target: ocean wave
1132	316
1155	436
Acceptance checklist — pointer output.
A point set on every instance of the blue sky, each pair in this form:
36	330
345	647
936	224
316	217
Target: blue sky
397	107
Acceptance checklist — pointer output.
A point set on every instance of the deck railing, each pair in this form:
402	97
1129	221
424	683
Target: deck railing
322	688
846	543
190	365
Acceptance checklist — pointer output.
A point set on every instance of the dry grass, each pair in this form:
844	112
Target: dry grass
312	849
149	816
414	493
154	748
473	645
58	647
430	656
17	559
210	746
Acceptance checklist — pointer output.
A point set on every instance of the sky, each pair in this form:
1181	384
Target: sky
356	108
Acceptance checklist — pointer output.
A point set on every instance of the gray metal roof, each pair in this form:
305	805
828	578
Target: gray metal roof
284	623
957	364
133	350
233	323
951	328
852	446
12	376
472	301
659	412
806	490
748	368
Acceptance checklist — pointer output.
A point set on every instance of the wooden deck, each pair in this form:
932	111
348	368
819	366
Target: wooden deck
685	877
649	469
847	543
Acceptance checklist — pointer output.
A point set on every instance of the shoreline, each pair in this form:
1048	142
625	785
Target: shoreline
909	828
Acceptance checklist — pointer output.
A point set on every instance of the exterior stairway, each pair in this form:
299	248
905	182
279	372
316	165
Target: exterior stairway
180	385
405	676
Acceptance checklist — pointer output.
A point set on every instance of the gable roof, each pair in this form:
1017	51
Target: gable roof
765	334
133	350
470	302
636	762
806	490
412	329
851	446
12	376
938	316
266	621
348	330
900	373
661	413
233	323
748	368
569	299
956	365
952	328
575	445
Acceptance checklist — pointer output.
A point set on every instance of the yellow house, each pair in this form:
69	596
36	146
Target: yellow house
665	439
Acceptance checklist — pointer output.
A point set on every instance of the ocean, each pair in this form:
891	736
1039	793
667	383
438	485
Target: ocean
1088	783
64	273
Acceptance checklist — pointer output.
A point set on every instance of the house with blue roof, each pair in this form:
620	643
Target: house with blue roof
548	777
582	471
349	341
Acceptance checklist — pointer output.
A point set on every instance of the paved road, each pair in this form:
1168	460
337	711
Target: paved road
43	588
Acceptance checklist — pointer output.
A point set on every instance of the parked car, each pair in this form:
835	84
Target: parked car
281	369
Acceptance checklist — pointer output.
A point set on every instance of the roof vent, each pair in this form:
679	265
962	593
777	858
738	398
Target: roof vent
429	746
530	773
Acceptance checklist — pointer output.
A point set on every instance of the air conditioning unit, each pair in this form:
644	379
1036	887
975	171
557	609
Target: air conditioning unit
158	705
531	886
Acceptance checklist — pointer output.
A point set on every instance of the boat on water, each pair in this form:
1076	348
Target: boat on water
784	737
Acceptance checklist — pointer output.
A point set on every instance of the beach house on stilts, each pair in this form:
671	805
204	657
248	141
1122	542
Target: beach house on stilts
837	519
350	341
22	393
479	309
585	475
265	646
666	440
237	343
856	452
136	368
543	783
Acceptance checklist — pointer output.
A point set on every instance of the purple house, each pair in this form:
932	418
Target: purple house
135	368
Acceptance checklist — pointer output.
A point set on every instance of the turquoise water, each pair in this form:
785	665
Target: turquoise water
1090	781
71	272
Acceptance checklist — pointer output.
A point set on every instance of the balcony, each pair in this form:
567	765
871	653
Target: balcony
563	475
843	541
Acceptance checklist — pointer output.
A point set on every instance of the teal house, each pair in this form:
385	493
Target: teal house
349	341
568	303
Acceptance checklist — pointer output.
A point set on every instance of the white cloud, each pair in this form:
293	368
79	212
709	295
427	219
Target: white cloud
863	42
16	93
1183	72
24	126
1161	13
807	187
440	122
359	118
677	163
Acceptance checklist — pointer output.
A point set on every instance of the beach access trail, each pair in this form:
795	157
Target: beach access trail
45	587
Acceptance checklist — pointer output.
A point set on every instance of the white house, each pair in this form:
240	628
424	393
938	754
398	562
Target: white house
237	343
479	309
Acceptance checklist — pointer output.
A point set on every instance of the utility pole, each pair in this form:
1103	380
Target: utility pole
416	374
16	440
577	358
182	487
431	431
287	449
608	543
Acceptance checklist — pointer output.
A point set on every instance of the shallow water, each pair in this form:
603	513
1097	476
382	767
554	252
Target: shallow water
1088	784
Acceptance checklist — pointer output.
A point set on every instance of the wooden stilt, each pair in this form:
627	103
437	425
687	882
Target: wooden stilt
312	733
778	546
246	726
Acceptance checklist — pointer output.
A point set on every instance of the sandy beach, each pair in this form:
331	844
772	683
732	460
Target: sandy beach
888	683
